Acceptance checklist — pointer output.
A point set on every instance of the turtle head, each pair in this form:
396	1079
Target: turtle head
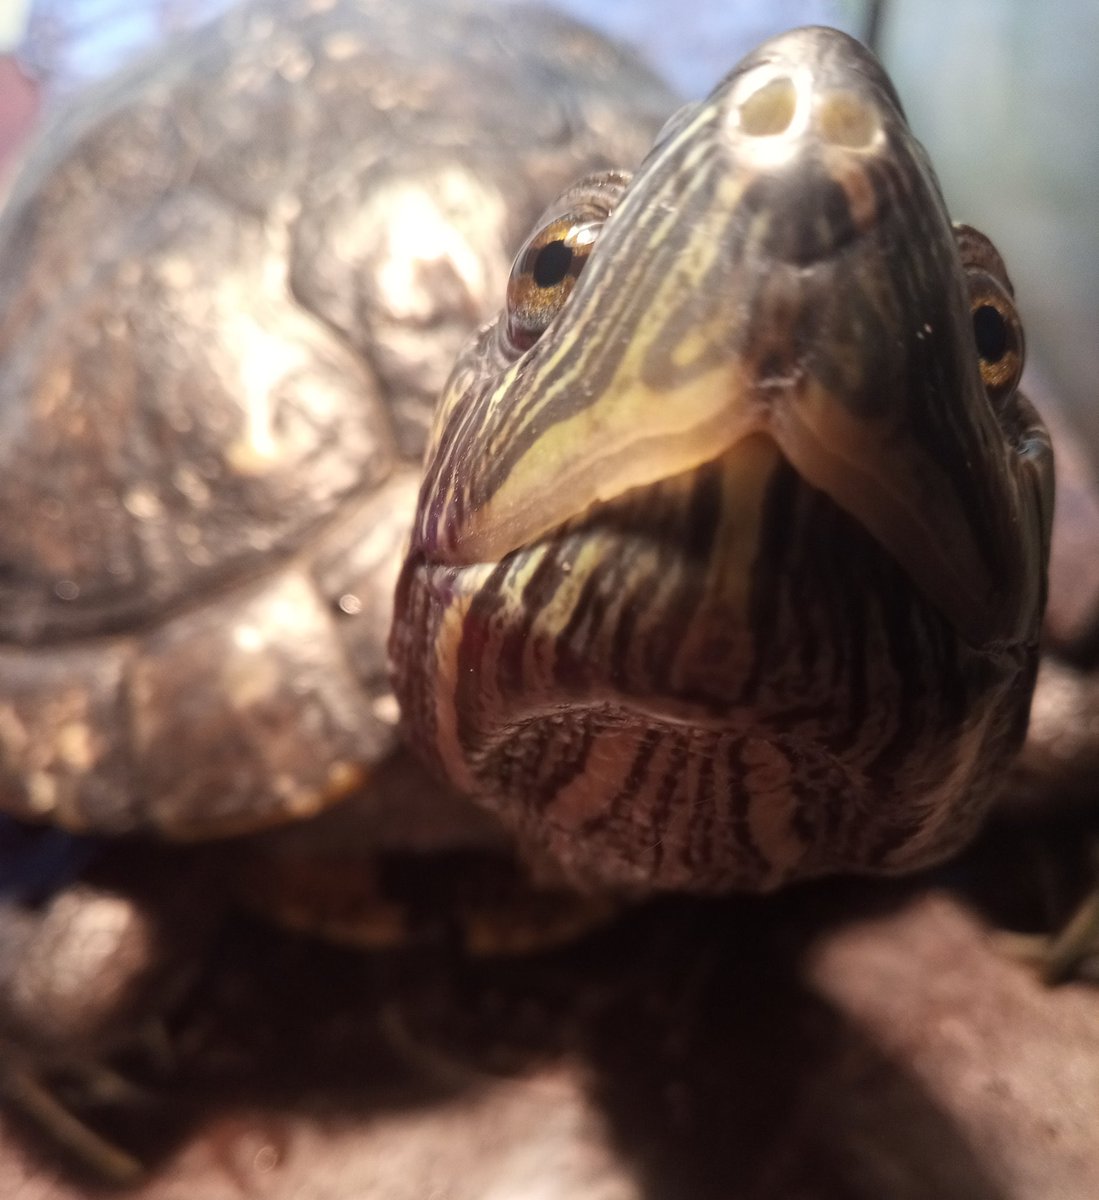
730	556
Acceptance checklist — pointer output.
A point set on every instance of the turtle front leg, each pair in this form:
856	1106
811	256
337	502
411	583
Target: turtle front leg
83	976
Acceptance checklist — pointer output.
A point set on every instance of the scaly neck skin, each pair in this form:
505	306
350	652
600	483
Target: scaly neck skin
715	683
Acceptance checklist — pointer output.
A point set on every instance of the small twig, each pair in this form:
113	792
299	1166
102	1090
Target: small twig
36	1102
1077	941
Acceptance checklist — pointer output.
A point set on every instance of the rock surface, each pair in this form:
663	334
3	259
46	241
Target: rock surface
841	1042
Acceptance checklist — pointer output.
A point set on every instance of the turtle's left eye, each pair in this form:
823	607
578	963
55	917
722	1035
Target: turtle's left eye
544	273
998	335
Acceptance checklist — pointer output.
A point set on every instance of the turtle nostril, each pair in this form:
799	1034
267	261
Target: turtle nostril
846	120
770	109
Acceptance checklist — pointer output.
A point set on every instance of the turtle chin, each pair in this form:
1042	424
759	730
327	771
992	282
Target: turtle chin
720	681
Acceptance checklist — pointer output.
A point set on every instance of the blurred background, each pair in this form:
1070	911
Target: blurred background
1001	91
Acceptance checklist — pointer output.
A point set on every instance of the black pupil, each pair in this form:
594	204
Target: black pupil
991	333
552	264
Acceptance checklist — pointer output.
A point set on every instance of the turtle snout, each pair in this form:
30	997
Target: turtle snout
810	130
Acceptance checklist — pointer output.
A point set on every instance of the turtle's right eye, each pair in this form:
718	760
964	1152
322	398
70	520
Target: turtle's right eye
544	273
547	267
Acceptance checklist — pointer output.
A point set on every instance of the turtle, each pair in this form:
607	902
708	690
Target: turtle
778	615
234	278
518	659
726	567
582	665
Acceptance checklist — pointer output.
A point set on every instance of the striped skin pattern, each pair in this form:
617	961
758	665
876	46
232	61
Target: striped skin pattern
735	575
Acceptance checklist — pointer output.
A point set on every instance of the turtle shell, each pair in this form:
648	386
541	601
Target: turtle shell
233	280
